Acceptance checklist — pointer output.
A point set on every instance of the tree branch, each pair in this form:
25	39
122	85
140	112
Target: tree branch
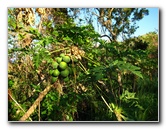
36	103
17	104
107	37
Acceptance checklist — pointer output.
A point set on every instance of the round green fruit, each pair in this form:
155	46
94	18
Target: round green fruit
66	59
55	65
59	59
62	55
50	72
65	73
63	65
55	73
53	79
66	79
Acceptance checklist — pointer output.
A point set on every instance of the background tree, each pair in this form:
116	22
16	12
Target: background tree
114	21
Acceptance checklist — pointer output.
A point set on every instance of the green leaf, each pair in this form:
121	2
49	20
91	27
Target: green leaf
122	65
67	38
138	73
36	60
55	33
115	62
44	112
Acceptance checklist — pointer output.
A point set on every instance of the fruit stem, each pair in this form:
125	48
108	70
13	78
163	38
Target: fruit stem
91	60
59	50
83	68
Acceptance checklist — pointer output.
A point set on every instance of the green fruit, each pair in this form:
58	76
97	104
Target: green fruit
55	65
66	79
65	73
53	79
62	54
63	65
55	73
50	72
59	59
66	59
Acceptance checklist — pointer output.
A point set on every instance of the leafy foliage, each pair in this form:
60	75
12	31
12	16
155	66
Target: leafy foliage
109	82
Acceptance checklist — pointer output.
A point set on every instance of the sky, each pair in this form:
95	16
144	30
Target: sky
148	23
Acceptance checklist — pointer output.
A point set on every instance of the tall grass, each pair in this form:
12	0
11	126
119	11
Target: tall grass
147	93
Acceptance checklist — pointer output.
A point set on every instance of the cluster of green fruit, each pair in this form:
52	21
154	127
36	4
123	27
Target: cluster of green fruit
60	67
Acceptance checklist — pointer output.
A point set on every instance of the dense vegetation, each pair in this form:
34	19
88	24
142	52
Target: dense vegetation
62	71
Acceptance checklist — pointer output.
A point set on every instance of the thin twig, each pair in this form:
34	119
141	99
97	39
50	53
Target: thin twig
18	105
104	99
59	50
